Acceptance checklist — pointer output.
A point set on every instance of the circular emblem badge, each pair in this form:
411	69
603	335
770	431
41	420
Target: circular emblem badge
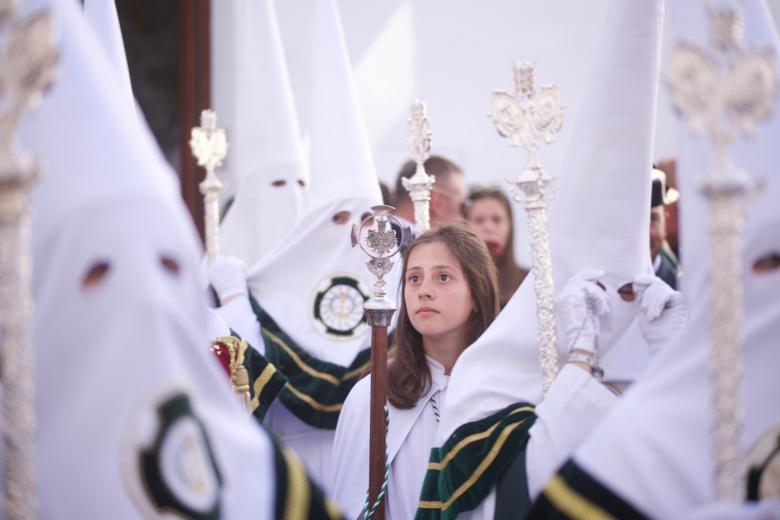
338	307
169	463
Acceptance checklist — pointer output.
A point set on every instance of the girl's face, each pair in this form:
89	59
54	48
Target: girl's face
490	222
437	296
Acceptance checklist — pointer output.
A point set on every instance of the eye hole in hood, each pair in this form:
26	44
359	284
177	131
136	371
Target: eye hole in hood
767	263
95	275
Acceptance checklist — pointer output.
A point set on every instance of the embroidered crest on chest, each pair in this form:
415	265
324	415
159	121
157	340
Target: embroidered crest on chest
338	307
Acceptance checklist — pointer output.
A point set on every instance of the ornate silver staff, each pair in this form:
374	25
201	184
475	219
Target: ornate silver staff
27	68
722	94
377	236
209	146
420	184
528	117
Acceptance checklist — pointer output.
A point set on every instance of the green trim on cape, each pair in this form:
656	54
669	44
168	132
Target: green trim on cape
265	381
463	471
315	389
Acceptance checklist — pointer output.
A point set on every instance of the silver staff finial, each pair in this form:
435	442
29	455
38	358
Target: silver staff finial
420	184
209	146
528	117
381	237
27	69
725	94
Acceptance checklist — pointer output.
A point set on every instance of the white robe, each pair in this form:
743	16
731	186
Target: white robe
410	437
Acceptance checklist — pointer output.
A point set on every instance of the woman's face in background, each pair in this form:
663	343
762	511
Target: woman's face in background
490	222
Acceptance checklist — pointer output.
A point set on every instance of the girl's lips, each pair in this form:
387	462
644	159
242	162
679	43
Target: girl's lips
494	248
426	311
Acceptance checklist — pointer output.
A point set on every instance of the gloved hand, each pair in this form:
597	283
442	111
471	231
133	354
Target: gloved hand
578	307
227	274
662	311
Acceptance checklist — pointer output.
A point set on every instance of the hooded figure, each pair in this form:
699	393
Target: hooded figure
652	456
134	418
304	312
266	154
497	382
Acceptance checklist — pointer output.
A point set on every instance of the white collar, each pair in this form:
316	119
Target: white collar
657	262
439	378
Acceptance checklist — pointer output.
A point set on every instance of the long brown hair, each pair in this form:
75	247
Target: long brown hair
408	377
510	275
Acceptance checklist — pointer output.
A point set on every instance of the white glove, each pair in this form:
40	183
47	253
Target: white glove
227	274
578	307
662	311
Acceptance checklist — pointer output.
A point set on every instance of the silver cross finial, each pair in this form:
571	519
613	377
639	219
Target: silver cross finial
420	184
381	236
209	146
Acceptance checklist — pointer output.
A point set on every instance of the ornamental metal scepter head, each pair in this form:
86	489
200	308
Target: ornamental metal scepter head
420	184
724	93
27	68
381	236
529	117
209	146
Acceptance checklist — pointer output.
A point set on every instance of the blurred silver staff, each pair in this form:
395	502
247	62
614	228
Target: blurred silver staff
209	146
27	68
529	117
723	92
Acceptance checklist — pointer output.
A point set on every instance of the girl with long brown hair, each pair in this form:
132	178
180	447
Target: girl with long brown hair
449	297
489	213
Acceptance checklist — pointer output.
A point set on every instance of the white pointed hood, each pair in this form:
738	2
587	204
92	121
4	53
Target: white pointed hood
340	155
598	219
665	420
314	283
104	20
112	354
266	154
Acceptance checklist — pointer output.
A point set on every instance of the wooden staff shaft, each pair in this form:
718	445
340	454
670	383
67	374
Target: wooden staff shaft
376	464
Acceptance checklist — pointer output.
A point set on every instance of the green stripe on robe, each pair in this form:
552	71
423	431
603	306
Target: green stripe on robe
463	471
315	389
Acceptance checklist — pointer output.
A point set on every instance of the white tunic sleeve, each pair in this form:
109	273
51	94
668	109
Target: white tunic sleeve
349	463
573	406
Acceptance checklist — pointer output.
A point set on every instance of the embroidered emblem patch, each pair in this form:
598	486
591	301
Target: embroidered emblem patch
338	307
173	464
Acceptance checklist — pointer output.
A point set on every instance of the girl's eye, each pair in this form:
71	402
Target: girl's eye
444	277
413	279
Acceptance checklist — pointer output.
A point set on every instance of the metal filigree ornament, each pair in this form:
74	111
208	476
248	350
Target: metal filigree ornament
529	117
723	93
209	146
381	236
420	184
27	68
